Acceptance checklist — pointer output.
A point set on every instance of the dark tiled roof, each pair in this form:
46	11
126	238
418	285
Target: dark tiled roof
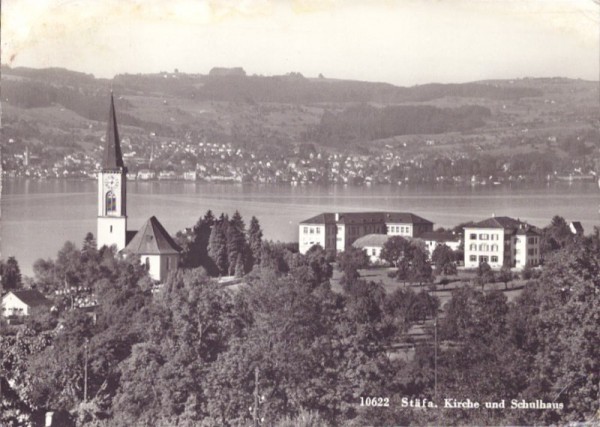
152	239
324	218
32	298
377	240
361	217
514	225
440	236
528	230
406	218
113	159
497	222
129	235
367	217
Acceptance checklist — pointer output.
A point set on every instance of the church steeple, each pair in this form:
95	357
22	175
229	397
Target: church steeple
112	188
113	159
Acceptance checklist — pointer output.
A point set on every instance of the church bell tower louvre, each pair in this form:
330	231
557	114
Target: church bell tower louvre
112	188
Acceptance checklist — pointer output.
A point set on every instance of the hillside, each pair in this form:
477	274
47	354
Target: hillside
56	111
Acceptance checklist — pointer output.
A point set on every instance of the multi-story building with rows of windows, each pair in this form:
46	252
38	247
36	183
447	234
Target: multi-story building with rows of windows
337	231
502	241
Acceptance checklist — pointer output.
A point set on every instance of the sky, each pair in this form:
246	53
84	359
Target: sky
404	42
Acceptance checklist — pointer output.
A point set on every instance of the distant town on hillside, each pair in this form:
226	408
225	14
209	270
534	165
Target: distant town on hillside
228	126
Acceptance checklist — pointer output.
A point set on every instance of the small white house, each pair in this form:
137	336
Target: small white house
22	302
372	244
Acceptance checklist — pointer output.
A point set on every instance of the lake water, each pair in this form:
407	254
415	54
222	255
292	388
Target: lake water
39	216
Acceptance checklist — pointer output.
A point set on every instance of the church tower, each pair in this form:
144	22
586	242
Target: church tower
112	189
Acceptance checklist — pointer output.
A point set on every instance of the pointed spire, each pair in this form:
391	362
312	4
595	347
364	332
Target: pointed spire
113	158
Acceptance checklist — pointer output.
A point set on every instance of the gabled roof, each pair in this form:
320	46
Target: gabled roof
113	159
371	240
31	297
436	236
152	239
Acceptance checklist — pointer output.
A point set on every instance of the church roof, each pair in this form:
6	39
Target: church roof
113	159
152	239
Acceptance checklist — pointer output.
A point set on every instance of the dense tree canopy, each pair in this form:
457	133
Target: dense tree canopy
193	352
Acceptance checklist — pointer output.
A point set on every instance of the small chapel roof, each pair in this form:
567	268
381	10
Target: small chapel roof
152	239
113	158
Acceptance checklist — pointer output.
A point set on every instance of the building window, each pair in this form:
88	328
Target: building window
484	237
484	247
531	240
483	259
530	252
318	230
312	230
494	258
494	248
473	258
305	230
111	228
373	251
473	236
147	263
473	247
111	202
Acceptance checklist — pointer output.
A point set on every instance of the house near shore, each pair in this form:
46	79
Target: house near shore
338	231
502	241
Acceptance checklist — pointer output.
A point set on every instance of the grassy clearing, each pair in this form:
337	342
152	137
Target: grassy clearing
443	292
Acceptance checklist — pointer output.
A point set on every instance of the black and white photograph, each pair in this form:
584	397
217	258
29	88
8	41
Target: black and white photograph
299	213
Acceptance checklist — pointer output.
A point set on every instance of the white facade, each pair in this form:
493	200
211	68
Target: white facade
112	209
310	235
13	306
526	251
484	244
397	229
20	303
159	266
374	253
338	231
513	247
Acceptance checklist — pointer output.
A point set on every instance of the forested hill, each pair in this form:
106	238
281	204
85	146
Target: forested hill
56	112
289	88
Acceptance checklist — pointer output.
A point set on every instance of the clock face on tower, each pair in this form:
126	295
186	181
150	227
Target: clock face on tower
112	181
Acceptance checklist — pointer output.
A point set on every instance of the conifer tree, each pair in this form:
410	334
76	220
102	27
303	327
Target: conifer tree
255	235
11	274
236	242
196	247
217	246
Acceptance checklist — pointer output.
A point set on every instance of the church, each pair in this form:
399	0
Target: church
152	243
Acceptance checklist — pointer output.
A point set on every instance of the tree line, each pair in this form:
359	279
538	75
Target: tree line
188	353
